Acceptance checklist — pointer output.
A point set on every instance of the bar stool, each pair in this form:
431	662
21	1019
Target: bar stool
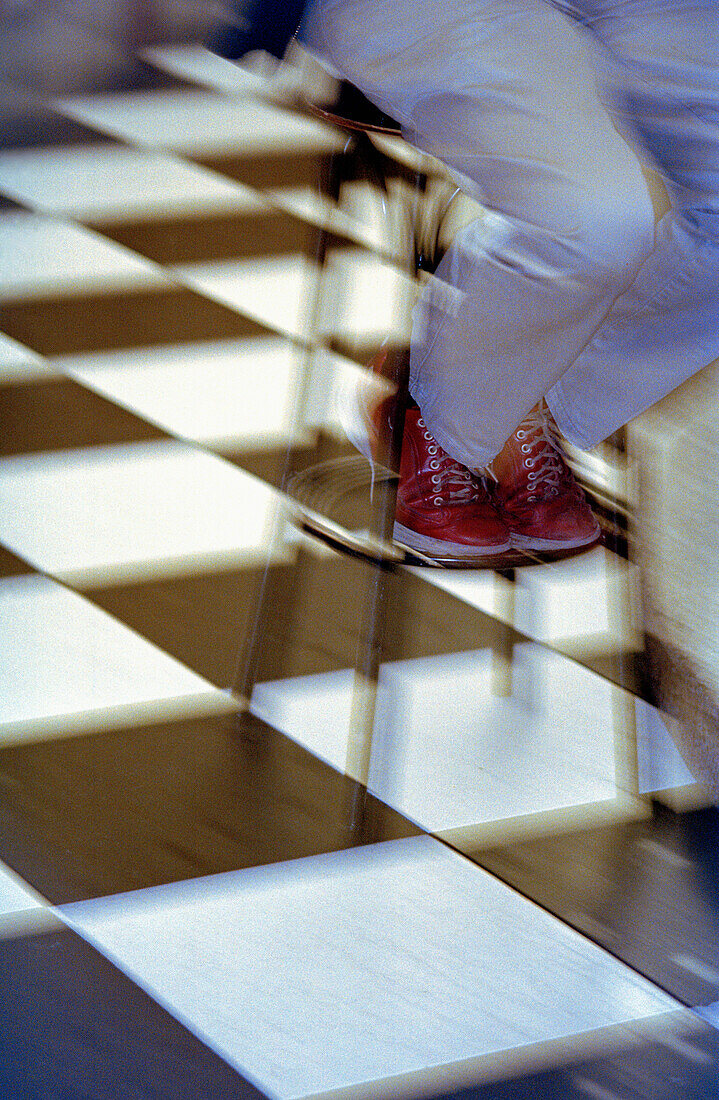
336	500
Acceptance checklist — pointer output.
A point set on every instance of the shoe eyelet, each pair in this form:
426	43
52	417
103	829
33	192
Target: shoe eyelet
421	423
529	462
526	448
434	464
436	479
532	499
520	433
432	450
531	476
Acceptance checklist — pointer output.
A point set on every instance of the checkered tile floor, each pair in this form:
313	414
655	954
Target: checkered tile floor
211	889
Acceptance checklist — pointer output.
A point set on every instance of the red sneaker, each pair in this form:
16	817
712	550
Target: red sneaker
538	497
443	509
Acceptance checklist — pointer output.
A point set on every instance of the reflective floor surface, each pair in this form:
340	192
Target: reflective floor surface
274	821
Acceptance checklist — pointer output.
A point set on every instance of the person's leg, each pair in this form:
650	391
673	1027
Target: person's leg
661	66
503	92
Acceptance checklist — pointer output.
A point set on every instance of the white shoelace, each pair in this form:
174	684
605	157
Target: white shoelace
451	481
546	466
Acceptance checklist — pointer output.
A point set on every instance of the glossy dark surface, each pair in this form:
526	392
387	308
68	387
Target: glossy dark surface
73	1026
647	891
135	808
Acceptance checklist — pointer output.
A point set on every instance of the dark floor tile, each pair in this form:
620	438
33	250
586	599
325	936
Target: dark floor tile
237	626
269	170
118	811
75	1028
309	621
623	667
12	566
57	414
425	621
309	616
144	76
646	891
314	169
201	619
278	465
26	123
684	1063
219	237
323	613
271	464
104	321
359	348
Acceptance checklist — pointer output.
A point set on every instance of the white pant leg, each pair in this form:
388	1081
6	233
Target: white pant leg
503	91
661	68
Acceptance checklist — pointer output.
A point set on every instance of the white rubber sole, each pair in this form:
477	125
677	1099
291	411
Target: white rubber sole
526	542
441	549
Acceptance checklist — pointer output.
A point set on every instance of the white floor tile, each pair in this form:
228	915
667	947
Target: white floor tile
101	514
314	710
230	394
588	597
67	666
43	256
318	209
711	1014
332	387
356	297
340	969
277	291
366	297
660	766
198	64
447	752
19	364
115	183
202	123
16	896
363	215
